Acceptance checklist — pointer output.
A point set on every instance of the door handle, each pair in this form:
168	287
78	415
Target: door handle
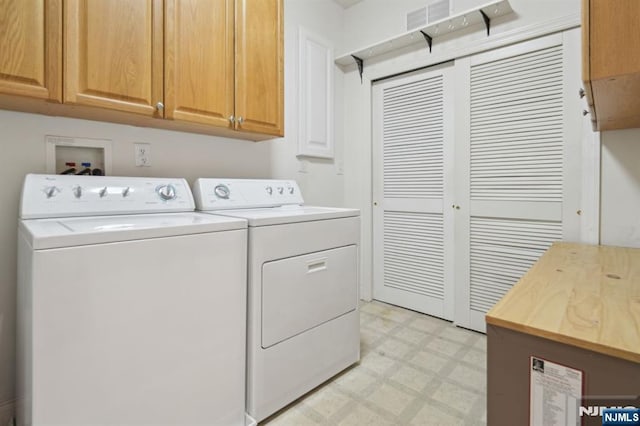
316	265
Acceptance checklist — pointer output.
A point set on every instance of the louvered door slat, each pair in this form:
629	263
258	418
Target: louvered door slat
415	264
415	109
493	272
504	173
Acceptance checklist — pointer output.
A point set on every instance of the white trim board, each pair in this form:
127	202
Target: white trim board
384	67
460	21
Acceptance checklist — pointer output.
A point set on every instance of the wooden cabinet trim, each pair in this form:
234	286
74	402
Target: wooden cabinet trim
53	31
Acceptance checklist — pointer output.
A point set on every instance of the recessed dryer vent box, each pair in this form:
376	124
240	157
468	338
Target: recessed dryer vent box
62	151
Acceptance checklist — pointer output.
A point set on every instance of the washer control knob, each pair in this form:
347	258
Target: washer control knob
103	192
222	191
126	191
77	191
280	190
291	190
166	192
51	191
269	190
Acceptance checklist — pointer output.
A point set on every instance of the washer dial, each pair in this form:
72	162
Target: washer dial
167	192
222	191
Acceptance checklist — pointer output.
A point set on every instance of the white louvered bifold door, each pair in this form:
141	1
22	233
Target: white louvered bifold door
412	152
515	170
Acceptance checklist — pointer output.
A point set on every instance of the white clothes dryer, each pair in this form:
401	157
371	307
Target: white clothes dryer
131	307
303	318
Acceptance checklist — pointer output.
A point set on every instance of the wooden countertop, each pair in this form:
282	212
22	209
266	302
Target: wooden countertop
582	295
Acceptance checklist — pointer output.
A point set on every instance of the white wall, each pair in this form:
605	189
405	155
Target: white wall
620	188
322	183
22	150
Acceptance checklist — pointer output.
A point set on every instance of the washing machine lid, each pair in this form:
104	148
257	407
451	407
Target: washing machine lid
288	214
75	231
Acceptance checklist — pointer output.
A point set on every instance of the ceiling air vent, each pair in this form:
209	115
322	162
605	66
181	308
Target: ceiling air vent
417	18
433	12
438	10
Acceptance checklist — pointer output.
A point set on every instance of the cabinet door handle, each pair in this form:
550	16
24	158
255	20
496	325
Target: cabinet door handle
240	120
585	112
159	106
581	93
232	119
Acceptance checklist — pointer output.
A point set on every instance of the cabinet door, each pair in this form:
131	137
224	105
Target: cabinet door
260	66
113	54
199	60
31	46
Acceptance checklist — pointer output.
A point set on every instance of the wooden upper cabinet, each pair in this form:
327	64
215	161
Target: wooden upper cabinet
212	66
259	66
31	48
611	61
113	55
199	56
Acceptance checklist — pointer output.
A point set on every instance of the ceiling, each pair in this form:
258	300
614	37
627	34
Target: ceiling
347	3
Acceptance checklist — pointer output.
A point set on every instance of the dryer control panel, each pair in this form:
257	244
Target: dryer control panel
49	196
219	194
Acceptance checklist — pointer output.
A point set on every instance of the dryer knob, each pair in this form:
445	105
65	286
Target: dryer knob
103	192
166	192
222	191
77	191
291	190
280	190
269	190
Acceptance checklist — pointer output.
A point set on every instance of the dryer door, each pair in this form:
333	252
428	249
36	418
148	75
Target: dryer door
302	292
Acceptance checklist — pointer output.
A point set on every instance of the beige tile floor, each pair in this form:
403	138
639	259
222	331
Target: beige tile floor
414	370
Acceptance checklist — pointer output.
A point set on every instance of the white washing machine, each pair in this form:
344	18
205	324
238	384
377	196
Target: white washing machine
303	319
131	307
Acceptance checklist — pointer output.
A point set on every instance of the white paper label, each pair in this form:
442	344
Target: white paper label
555	394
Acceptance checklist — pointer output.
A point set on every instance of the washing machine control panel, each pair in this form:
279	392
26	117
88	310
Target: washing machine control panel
45	196
217	194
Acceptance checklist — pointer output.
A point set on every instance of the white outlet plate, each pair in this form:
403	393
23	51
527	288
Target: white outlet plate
142	154
303	166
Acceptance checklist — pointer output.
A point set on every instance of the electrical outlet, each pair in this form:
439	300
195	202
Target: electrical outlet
303	166
339	167
142	153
